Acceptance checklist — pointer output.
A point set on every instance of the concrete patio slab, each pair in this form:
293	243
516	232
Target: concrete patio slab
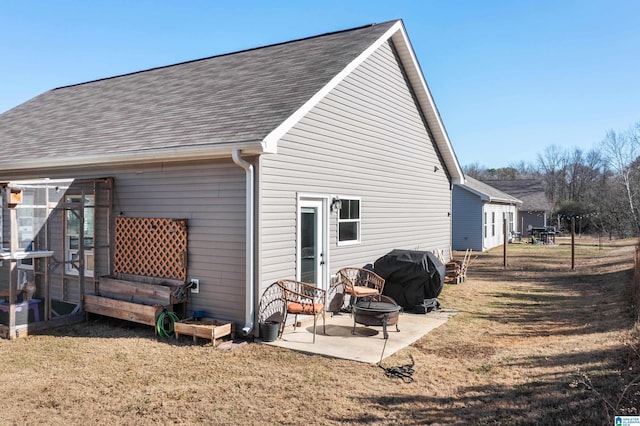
367	344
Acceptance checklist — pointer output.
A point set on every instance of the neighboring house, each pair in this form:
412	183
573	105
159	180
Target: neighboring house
287	161
535	210
479	212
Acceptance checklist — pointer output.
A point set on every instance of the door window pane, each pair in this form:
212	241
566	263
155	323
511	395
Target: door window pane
308	241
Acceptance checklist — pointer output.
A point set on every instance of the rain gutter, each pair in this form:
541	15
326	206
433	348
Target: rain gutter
250	241
137	157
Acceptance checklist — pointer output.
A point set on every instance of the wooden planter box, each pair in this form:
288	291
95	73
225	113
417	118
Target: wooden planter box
145	293
135	312
205	328
130	300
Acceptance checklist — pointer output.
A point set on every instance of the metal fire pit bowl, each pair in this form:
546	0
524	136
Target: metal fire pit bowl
376	310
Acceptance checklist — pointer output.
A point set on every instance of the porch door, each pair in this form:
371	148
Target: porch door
312	242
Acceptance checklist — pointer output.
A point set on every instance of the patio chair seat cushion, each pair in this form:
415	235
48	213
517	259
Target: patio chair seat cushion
360	291
305	308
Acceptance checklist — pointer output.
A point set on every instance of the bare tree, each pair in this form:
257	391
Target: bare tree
525	169
582	174
622	151
552	166
474	170
605	181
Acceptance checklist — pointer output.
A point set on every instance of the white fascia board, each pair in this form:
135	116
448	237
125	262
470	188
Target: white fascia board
421	89
504	201
270	142
499	200
198	152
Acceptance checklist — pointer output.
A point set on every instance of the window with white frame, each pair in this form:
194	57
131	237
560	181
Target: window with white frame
349	221
72	235
493	224
486	225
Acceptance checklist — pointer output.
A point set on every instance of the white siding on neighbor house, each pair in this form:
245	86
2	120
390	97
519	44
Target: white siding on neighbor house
365	139
467	226
211	196
495	235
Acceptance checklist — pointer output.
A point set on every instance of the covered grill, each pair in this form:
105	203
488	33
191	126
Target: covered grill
412	278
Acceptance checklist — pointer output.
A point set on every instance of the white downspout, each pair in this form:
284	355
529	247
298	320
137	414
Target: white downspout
249	237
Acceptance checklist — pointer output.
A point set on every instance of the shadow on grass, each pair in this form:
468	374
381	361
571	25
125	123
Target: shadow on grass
564	304
539	297
536	403
558	398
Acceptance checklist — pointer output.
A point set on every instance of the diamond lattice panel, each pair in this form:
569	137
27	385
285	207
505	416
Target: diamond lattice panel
151	247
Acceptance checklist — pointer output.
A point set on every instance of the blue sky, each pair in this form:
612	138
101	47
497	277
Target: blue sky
509	77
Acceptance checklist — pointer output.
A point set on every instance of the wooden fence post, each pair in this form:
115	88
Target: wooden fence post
504	251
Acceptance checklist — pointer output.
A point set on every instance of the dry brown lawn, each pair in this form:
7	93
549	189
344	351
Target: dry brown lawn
536	343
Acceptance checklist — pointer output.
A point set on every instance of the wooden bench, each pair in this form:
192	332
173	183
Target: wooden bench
132	300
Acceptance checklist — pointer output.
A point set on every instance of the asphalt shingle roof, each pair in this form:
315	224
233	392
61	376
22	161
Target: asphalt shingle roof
493	193
529	191
228	98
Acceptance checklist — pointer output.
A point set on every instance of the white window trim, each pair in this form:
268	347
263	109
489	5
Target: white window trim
358	240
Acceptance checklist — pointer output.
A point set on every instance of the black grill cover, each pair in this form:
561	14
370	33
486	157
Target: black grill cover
410	276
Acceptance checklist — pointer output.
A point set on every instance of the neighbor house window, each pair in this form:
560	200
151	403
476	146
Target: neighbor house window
493	224
349	222
486	225
511	224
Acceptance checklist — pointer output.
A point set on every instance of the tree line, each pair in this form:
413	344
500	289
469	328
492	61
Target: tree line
600	188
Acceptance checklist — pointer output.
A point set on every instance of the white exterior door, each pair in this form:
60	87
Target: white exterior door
312	241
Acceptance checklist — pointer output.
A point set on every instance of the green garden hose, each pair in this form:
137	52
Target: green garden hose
170	318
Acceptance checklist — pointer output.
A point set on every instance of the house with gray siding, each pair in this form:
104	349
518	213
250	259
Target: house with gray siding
479	214
286	161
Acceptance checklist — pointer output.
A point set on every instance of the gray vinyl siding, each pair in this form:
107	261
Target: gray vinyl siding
529	219
364	139
211	196
467	221
212	199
